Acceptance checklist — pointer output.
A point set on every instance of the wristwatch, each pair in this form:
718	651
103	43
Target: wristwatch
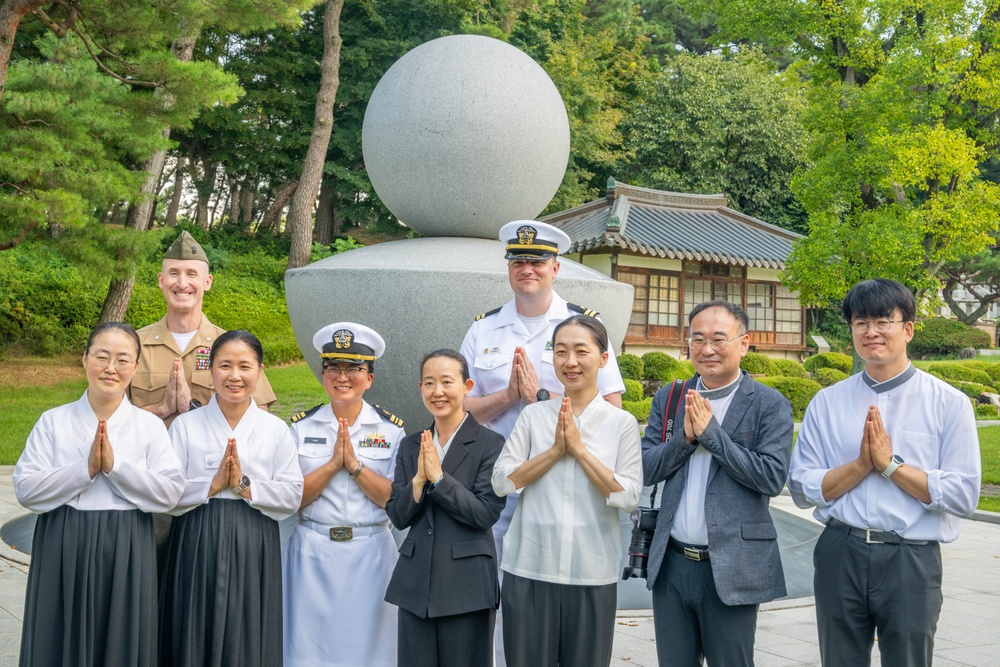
243	485
897	461
542	395
361	466
194	404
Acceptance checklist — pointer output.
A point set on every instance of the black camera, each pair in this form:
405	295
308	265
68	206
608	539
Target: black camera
643	525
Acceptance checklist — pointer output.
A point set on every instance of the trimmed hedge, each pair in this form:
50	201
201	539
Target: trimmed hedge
791	369
993	370
630	366
829	376
952	371
798	391
939	336
841	362
987	411
638	409
684	371
757	363
633	390
658	366
970	389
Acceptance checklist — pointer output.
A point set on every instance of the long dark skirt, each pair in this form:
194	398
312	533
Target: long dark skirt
220	604
91	597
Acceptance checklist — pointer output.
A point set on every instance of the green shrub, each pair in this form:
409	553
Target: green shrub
633	391
791	369
683	371
630	366
938	336
841	362
757	363
828	376
993	370
953	371
658	366
798	391
638	409
987	411
970	389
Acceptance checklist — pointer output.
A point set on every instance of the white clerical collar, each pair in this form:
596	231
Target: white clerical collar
721	392
891	383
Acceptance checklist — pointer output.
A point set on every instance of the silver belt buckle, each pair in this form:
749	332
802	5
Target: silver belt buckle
868	536
341	533
693	554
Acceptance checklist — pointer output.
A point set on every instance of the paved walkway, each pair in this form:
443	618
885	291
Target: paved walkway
968	631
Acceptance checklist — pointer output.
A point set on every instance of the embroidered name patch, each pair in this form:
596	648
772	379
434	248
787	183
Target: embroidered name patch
374	440
201	357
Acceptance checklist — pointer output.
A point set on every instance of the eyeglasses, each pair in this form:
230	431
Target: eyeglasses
881	326
352	372
717	344
119	364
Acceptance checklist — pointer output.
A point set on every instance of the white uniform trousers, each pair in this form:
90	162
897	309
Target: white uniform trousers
335	614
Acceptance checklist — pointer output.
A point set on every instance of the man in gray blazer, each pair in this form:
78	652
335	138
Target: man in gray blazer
714	557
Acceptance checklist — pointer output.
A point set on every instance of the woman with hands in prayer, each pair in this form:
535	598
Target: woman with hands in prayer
577	463
95	469
221	600
445	582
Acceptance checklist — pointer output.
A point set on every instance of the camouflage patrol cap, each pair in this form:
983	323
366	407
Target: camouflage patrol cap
185	247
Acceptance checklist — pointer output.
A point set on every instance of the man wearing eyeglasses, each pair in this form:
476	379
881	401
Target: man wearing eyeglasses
714	556
890	460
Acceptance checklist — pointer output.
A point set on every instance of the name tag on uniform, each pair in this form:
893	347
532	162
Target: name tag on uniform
492	350
315	441
374	440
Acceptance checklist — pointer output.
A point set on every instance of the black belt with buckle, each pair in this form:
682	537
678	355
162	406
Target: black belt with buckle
689	551
871	536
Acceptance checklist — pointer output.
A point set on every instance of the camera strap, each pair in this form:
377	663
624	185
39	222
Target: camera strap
673	402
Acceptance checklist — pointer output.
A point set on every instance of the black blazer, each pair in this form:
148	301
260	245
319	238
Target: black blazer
448	562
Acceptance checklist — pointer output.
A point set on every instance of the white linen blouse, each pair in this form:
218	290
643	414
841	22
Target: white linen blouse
564	530
267	457
52	471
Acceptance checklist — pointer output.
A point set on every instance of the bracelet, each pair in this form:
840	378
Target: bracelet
361	466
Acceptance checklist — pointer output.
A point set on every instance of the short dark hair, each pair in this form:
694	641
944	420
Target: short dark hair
237	336
591	324
878	297
733	309
463	365
115	326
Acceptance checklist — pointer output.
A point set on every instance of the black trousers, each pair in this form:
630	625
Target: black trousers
548	624
692	623
446	641
861	589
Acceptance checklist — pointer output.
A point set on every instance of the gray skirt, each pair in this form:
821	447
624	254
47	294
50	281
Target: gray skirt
91	595
220	604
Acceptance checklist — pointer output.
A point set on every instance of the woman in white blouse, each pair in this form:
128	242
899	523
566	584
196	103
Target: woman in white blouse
95	469
576	462
220	603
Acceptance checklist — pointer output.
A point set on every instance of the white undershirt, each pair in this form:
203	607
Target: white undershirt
689	519
183	339
443	450
532	324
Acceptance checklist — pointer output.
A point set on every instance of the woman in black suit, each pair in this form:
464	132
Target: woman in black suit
445	583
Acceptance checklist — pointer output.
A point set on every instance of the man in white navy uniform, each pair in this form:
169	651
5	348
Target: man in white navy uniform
890	460
509	349
340	557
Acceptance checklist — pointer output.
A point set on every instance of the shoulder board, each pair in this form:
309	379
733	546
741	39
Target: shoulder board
388	415
580	309
302	415
488	313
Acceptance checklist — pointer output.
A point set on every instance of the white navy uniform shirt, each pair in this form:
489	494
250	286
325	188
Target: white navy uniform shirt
564	530
53	471
375	440
689	525
489	350
265	448
930	424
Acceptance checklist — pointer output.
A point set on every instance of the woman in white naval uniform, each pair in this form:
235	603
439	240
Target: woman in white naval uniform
94	469
338	562
220	602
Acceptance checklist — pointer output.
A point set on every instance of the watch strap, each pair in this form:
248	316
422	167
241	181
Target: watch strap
361	466
893	466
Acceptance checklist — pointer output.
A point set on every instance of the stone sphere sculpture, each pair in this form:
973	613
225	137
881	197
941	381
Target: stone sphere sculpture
463	134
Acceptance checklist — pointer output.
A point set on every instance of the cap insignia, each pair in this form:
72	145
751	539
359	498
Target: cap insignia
526	235
342	339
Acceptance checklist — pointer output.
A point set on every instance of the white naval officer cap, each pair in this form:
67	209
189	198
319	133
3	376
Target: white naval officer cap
530	239
348	340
